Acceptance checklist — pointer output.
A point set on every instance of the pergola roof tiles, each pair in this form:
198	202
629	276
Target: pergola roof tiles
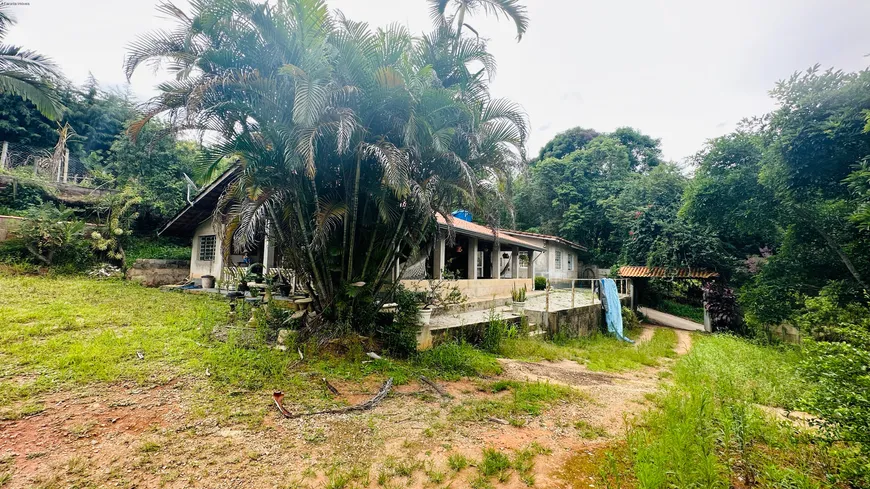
665	272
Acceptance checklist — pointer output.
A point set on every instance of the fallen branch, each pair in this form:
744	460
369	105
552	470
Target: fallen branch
441	392
330	387
278	397
497	420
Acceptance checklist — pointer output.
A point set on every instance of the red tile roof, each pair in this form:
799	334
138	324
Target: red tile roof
663	272
470	228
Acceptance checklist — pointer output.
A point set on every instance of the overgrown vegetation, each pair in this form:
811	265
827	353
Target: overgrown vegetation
711	428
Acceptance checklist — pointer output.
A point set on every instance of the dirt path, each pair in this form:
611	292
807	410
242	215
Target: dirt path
615	397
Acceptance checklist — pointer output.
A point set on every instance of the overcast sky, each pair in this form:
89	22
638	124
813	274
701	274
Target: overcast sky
680	70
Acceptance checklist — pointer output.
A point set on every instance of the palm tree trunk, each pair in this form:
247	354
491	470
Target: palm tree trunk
460	17
353	221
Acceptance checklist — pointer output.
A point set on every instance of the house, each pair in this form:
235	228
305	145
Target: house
484	261
560	260
208	235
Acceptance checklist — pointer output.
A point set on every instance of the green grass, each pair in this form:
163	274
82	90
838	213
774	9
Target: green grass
457	462
706	430
61	332
694	313
74	331
598	352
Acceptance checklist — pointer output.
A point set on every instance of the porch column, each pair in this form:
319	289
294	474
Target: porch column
515	262
495	258
438	257
472	258
268	249
531	264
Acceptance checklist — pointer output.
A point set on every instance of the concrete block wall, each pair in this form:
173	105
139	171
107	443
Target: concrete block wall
154	273
580	321
8	226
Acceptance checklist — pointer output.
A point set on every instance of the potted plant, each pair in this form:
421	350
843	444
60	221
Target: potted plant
519	300
426	303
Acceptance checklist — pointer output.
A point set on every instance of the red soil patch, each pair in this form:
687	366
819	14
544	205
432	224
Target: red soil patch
91	424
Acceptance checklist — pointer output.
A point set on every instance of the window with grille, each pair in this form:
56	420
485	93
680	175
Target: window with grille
207	245
558	260
570	262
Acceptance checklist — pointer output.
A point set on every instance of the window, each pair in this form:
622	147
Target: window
570	262
558	260
479	264
207	245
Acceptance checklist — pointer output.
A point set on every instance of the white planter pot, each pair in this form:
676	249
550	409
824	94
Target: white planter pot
425	316
519	308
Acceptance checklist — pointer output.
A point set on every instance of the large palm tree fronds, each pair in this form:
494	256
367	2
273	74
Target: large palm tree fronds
27	74
511	9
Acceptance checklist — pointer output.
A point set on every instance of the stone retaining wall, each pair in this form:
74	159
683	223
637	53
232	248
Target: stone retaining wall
9	224
154	273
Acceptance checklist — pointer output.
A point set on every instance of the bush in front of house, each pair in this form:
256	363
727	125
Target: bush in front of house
397	333
540	283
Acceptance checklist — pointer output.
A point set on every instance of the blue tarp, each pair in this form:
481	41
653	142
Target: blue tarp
613	308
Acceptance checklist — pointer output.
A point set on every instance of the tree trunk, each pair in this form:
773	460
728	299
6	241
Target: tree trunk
43	258
834	246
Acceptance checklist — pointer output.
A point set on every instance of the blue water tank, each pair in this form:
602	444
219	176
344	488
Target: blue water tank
462	214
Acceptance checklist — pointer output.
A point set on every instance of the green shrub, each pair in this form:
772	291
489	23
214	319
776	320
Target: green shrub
494	331
837	362
156	248
397	332
629	319
54	236
540	283
458	359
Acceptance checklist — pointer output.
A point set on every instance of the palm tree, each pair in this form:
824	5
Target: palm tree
511	9
349	141
26	73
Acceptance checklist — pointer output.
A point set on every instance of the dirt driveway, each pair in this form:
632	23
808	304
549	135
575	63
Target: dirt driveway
127	436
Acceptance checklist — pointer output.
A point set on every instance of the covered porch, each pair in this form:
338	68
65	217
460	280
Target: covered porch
483	261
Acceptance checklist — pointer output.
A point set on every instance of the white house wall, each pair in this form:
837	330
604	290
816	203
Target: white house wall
198	267
545	265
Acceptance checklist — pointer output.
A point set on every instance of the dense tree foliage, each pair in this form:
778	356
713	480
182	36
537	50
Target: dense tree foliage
591	187
154	162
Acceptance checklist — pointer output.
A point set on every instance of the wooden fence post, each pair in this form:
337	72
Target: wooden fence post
66	166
